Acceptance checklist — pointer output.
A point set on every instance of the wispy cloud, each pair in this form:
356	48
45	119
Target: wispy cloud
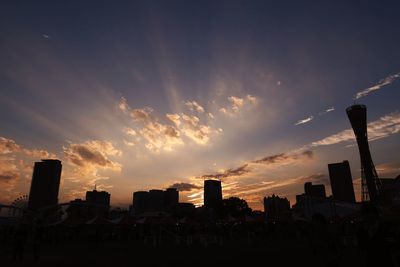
311	117
239	171
284	157
276	160
386	81
381	128
194	106
308	119
326	111
239	103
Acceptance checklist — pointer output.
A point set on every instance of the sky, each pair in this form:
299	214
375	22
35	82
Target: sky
137	95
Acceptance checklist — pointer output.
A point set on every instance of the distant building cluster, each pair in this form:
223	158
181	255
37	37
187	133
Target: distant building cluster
155	200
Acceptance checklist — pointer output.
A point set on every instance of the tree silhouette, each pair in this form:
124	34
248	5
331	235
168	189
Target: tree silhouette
235	207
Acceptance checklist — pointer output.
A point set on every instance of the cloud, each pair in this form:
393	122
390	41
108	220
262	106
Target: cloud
252	99
130	131
239	103
184	186
308	119
239	171
194	106
284	157
123	104
381	128
175	118
92	154
326	111
8	146
192	128
386	81
141	114
160	137
273	160
86	163
39	153
269	187
8	176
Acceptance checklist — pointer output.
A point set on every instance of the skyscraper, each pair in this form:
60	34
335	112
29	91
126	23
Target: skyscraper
341	181
314	190
98	202
369	178
171	199
45	184
212	194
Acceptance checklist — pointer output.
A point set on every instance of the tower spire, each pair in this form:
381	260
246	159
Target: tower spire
370	181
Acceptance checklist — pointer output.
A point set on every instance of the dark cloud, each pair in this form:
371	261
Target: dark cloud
184	186
89	155
92	153
284	157
228	173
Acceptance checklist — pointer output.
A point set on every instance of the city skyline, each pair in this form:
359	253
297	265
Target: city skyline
171	94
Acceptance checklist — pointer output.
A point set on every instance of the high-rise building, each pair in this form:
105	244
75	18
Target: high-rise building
369	178
341	181
140	202
100	198
314	190
98	202
212	194
45	184
171	199
156	200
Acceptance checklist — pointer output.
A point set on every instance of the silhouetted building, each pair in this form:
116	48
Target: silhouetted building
98	202
155	201
171	199
45	184
276	208
341	181
212	194
315	190
139	203
369	178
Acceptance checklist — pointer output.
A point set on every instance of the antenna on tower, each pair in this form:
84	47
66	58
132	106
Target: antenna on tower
95	187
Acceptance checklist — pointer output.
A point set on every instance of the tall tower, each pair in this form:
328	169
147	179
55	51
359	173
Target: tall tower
212	194
369	178
45	184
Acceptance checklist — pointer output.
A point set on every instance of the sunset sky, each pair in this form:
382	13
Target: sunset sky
151	94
